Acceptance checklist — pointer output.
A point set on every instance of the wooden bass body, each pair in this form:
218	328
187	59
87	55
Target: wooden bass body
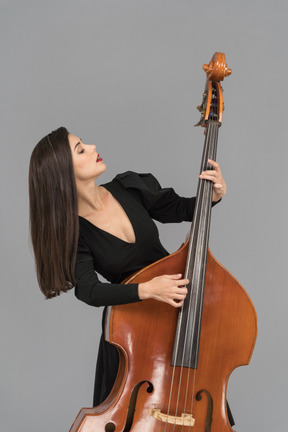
144	335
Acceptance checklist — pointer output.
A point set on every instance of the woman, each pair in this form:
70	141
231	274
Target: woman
79	227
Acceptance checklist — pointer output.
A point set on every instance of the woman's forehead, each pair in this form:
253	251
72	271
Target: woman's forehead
73	140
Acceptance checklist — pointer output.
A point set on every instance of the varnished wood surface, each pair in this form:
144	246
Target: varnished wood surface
228	335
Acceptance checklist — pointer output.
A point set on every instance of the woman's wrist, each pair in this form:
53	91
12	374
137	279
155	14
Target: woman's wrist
142	291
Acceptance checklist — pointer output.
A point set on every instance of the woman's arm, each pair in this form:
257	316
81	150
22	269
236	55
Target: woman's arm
167	288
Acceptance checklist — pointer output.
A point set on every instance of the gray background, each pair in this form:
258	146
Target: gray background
126	75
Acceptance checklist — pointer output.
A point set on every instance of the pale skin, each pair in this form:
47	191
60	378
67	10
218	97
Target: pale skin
98	205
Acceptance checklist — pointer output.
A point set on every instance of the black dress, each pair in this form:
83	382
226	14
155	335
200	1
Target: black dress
143	199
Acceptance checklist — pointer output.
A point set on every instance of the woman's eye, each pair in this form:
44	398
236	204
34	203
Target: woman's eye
82	151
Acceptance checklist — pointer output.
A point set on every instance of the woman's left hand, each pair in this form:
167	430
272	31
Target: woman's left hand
219	185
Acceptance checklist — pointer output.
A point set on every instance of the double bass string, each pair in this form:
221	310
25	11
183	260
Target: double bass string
201	195
207	197
205	192
192	235
181	318
204	188
204	197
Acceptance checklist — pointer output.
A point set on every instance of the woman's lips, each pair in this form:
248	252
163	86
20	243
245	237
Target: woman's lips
99	159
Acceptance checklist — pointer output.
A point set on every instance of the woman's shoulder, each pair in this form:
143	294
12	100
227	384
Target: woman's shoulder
134	180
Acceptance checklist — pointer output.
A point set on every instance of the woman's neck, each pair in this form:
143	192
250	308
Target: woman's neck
90	198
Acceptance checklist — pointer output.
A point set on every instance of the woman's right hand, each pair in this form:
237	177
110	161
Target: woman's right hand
170	289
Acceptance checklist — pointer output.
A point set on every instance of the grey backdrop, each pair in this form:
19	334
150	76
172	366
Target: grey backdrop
126	75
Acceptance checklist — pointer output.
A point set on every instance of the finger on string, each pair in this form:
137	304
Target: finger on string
174	276
209	172
176	303
213	163
179	297
211	178
181	290
182	282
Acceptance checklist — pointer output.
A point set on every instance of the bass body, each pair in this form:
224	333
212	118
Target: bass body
143	385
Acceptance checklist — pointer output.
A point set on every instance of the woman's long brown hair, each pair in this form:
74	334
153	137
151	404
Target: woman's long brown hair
54	222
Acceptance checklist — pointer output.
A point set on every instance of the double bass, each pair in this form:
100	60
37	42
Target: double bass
174	364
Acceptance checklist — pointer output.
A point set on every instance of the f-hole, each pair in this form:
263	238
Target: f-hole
110	427
209	413
132	403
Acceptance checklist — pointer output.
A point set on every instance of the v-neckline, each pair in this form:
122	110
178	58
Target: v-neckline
127	215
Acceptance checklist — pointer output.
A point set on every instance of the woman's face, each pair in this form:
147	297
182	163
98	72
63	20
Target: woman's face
86	161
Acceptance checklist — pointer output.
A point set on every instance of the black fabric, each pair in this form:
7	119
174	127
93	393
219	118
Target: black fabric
143	199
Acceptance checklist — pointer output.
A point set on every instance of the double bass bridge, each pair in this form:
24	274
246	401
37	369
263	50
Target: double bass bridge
183	420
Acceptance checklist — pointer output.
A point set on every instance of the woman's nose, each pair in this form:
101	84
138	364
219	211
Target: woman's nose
92	147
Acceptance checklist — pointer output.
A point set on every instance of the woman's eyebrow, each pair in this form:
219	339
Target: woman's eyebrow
79	142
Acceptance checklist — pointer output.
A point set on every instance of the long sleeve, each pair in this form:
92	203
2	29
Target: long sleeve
163	204
94	292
